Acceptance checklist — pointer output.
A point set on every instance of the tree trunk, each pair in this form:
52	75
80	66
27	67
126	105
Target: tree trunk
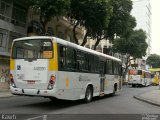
43	22
85	39
126	69
96	44
74	32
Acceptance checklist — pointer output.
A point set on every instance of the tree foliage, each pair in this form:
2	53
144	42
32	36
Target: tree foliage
133	45
102	19
93	15
47	9
154	60
121	22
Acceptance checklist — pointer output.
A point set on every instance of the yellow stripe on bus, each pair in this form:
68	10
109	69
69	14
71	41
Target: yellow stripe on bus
53	63
12	64
67	83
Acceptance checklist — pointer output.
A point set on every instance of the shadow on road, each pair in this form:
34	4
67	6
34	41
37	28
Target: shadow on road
61	104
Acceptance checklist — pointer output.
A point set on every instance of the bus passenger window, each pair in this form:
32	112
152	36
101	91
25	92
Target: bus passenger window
19	53
61	58
139	72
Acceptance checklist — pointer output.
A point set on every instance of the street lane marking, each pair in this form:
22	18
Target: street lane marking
44	117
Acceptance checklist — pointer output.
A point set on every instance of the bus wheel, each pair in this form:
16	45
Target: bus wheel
53	99
114	90
133	85
88	94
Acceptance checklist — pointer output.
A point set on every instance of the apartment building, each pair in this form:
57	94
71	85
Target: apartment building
13	16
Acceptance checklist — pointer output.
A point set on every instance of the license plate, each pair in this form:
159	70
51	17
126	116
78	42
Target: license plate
30	82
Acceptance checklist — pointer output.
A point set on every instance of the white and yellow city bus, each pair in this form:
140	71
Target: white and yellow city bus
156	77
55	68
139	77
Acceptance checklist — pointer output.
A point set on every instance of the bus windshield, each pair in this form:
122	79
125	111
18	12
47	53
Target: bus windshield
135	72
32	49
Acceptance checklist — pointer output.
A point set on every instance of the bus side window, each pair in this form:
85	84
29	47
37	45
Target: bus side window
70	59
120	69
139	72
62	56
110	67
92	63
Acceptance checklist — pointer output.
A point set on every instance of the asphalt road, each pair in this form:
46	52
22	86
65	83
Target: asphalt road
123	105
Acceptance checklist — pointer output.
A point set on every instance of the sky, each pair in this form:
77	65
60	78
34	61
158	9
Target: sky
139	13
155	4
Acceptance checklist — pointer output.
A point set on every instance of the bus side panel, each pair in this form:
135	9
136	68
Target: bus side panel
109	84
72	85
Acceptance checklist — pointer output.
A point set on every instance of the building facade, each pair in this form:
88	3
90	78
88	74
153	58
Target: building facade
12	25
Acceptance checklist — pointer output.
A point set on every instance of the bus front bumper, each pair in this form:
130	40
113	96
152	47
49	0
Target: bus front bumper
135	83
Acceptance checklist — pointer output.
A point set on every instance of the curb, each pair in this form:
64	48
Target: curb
138	97
1	97
5	93
5	90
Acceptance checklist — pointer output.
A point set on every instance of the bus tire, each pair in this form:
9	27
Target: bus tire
88	94
53	99
114	90
133	85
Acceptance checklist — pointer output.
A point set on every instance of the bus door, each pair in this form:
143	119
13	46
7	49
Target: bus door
102	76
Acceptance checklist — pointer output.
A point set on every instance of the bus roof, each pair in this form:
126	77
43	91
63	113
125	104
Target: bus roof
67	43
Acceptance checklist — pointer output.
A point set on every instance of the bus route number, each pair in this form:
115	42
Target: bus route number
47	44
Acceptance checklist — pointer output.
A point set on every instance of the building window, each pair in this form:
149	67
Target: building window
13	13
60	35
10	41
5	10
34	28
1	39
19	15
50	31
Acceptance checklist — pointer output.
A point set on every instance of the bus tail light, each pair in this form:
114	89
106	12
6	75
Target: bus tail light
51	82
12	83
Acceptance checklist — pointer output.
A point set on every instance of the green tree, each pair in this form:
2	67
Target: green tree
133	45
121	22
93	15
48	9
154	60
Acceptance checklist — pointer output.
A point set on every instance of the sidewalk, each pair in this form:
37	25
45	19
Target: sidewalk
5	93
152	97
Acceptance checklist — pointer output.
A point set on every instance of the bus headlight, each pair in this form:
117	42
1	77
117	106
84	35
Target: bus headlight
12	83
51	82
